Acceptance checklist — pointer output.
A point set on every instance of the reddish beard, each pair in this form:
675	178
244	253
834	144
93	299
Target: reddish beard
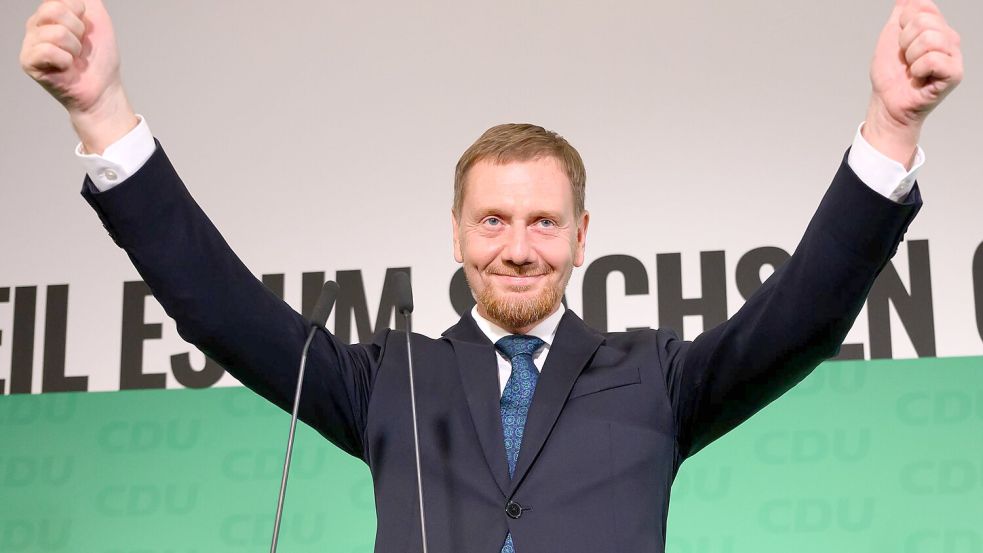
520	313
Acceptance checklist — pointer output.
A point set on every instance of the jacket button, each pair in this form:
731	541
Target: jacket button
513	509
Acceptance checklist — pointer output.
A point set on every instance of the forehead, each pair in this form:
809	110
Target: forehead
537	184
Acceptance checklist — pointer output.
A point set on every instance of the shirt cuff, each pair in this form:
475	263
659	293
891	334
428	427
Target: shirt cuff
881	173
121	159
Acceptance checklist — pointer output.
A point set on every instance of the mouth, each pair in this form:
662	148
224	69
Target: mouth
518	281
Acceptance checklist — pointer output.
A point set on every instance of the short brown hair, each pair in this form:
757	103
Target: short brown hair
521	142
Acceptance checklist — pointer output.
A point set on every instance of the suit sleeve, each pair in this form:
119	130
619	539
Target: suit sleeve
221	308
794	321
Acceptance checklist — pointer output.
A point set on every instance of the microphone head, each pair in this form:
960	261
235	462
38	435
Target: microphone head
325	303
404	292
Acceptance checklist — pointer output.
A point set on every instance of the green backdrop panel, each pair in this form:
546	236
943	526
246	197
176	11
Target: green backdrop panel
871	456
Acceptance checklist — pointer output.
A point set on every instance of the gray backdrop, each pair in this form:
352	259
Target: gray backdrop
321	137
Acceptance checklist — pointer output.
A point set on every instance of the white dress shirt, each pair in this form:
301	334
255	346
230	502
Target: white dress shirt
545	331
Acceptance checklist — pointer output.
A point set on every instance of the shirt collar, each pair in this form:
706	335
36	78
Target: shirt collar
545	330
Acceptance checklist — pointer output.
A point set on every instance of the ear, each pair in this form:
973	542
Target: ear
578	256
458	255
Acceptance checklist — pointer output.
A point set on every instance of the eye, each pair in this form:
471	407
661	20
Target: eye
492	221
546	223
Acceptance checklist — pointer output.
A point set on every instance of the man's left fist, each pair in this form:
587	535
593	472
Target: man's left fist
917	63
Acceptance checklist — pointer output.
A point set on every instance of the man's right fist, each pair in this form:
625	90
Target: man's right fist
69	49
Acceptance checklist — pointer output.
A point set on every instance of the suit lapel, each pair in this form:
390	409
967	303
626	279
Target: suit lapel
572	348
478	366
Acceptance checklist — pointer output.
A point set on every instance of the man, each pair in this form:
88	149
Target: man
538	433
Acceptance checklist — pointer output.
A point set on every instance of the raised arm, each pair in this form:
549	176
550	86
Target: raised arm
219	306
800	316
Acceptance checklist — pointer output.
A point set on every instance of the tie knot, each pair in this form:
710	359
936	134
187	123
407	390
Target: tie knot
518	344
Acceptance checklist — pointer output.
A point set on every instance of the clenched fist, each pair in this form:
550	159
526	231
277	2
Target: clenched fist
70	50
916	64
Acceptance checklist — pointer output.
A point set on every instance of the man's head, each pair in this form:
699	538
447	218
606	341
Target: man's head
519	222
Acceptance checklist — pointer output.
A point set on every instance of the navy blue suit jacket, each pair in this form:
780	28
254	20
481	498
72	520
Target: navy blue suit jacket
614	414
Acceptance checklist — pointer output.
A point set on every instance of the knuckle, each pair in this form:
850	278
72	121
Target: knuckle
44	51
50	12
933	40
36	58
40	34
46	34
55	34
930	20
918	22
63	34
51	51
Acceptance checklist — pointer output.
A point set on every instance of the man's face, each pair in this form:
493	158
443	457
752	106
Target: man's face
519	239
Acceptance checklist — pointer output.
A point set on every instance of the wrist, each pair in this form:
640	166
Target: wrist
105	122
895	139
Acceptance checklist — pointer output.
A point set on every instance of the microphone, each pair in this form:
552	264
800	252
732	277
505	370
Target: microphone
325	302
404	305
404	293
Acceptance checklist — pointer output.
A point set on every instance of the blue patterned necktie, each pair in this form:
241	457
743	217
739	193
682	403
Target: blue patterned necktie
516	398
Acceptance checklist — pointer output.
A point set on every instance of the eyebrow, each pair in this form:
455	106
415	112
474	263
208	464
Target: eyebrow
534	216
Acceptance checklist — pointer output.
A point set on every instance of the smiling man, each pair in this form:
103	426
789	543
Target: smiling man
538	433
519	222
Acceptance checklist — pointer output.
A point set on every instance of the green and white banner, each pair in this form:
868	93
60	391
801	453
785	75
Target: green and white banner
862	456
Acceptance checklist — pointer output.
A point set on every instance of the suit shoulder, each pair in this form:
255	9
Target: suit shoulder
639	337
389	340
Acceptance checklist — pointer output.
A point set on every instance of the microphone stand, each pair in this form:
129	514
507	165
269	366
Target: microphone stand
319	316
416	432
404	304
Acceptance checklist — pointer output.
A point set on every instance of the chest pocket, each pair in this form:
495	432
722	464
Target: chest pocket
599	380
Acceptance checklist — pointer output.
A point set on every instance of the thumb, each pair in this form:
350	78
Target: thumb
98	24
899	7
95	10
894	20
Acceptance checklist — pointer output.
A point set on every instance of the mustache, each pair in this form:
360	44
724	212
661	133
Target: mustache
509	269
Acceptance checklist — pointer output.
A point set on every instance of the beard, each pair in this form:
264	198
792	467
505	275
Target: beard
519	313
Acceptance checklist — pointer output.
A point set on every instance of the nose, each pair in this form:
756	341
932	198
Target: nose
517	248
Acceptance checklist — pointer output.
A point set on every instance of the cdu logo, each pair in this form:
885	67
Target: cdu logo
267	464
35	471
147	499
144	436
942	477
782	447
940	408
810	515
149	550
54	409
253	530
35	535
